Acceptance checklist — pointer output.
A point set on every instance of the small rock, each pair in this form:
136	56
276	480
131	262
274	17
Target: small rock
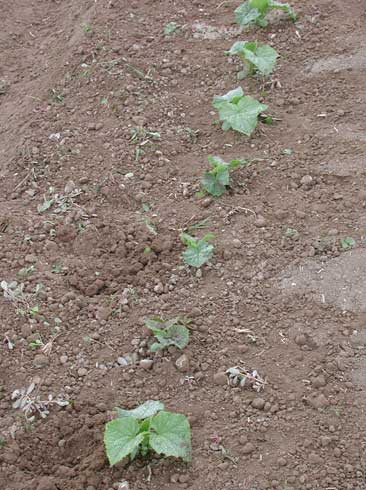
63	359
46	483
40	361
306	180
206	202
182	363
122	361
248	448
300	339
325	440
282	462
103	313
258	403
31	259
220	378
146	364
260	222
319	381
236	243
184	478
82	372
319	401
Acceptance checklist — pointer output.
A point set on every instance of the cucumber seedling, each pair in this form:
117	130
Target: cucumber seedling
255	12
238	111
145	428
168	332
216	181
199	251
256	57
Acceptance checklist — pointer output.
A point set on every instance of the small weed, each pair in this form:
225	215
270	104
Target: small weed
25	272
171	28
87	28
145	428
191	134
347	243
2	442
57	97
291	233
30	403
199	251
168	332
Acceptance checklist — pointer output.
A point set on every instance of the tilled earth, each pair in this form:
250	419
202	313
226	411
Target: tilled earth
106	124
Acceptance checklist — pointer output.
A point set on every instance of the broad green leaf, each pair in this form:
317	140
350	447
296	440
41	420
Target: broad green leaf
171	435
188	240
198	255
121	438
245	14
283	6
261	5
147	409
178	335
261	57
240	114
212	185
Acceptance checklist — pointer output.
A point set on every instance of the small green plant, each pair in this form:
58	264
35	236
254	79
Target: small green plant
147	427
87	28
238	111
255	12
2	442
256	57
170	28
168	332
347	243
25	272
215	181
199	251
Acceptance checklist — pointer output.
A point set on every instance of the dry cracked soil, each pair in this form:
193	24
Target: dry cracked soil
106	123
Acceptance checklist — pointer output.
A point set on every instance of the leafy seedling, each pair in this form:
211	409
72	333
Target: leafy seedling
170	28
255	12
147	427
167	333
238	111
255	57
347	243
199	251
216	180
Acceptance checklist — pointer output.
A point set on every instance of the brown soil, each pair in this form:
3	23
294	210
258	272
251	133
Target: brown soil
76	79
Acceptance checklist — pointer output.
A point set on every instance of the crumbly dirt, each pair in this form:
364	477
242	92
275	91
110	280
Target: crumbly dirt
92	202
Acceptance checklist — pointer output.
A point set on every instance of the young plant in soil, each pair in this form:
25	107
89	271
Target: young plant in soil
255	12
256	57
199	251
216	181
238	111
147	428
168	332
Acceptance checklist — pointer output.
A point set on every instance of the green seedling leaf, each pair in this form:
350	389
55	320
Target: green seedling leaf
238	112
169	332
347	242
171	435
147	409
256	57
151	428
170	28
216	180
198	252
255	12
287	151
122	438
